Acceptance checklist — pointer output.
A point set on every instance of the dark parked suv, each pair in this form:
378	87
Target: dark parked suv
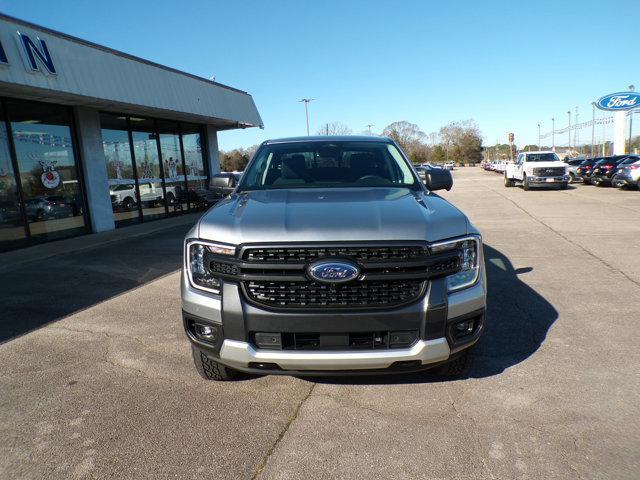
604	171
583	172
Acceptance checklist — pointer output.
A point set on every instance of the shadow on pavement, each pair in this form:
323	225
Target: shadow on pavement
41	292
518	319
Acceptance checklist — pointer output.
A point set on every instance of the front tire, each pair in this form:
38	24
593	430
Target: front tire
564	186
525	184
508	182
210	369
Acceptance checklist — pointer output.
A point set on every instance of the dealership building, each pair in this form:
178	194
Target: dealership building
93	139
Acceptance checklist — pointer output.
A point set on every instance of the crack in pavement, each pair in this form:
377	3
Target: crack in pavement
273	447
567	239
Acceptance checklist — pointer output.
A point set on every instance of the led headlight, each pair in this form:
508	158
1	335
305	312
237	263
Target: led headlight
469	248
197	263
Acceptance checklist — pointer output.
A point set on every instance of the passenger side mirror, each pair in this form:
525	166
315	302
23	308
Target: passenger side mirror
438	179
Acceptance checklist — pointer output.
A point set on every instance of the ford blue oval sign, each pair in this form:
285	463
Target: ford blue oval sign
333	272
619	101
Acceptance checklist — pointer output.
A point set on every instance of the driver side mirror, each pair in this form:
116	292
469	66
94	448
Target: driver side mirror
438	179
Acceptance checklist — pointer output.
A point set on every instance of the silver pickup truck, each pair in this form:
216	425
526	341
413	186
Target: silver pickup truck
332	257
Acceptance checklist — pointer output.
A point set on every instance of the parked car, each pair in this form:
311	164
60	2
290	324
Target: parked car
604	171
449	166
572	167
48	207
537	169
628	176
10	213
319	263
583	172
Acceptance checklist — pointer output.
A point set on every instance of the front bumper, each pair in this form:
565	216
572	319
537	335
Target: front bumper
549	180
433	316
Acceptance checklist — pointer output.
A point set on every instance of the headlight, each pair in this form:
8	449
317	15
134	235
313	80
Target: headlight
197	263
469	248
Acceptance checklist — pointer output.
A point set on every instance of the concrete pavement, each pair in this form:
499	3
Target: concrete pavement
107	390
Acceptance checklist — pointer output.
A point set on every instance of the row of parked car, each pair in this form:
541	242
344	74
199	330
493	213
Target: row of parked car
619	171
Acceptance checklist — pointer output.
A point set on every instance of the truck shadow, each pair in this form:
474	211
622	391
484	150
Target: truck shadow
518	319
38	293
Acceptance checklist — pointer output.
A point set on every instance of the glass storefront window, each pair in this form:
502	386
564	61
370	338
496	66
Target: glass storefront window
120	170
49	177
174	179
145	149
194	163
12	232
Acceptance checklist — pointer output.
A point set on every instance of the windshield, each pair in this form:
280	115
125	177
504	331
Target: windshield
327	165
542	157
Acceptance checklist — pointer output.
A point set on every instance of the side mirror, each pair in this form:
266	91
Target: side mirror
438	179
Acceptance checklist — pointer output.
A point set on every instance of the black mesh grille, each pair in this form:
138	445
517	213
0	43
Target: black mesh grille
224	268
357	294
362	254
549	171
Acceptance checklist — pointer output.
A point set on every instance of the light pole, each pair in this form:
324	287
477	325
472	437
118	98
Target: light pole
569	113
593	127
631	89
369	127
539	145
576	134
306	109
553	134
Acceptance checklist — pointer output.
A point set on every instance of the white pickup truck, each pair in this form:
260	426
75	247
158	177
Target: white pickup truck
537	169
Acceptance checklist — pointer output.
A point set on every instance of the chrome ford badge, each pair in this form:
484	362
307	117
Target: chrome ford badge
333	272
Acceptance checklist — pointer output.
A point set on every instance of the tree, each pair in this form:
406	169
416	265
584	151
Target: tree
236	159
462	141
407	135
334	128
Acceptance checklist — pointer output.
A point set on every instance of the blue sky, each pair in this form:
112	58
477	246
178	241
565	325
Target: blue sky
507	65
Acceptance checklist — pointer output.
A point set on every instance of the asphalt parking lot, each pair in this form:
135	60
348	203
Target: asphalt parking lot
96	377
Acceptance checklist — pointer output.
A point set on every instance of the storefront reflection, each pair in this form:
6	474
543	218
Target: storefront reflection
52	195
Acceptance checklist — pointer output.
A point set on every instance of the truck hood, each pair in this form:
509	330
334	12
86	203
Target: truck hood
325	215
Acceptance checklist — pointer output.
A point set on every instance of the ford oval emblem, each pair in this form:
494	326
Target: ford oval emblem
333	272
619	101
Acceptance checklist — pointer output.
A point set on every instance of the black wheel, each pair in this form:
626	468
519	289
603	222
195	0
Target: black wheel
171	198
39	215
210	369
508	182
525	184
596	182
457	367
564	186
128	204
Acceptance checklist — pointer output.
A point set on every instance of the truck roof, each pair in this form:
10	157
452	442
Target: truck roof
330	138
540	151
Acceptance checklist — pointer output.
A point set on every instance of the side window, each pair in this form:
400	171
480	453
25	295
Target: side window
520	159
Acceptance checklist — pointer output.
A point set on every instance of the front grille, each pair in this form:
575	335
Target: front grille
378	340
549	171
352	295
362	254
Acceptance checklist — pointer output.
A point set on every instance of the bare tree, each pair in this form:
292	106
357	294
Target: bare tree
462	141
334	128
409	137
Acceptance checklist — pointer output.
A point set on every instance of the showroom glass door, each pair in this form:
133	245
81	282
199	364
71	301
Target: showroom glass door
120	169
12	229
47	164
173	167
194	165
148	168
